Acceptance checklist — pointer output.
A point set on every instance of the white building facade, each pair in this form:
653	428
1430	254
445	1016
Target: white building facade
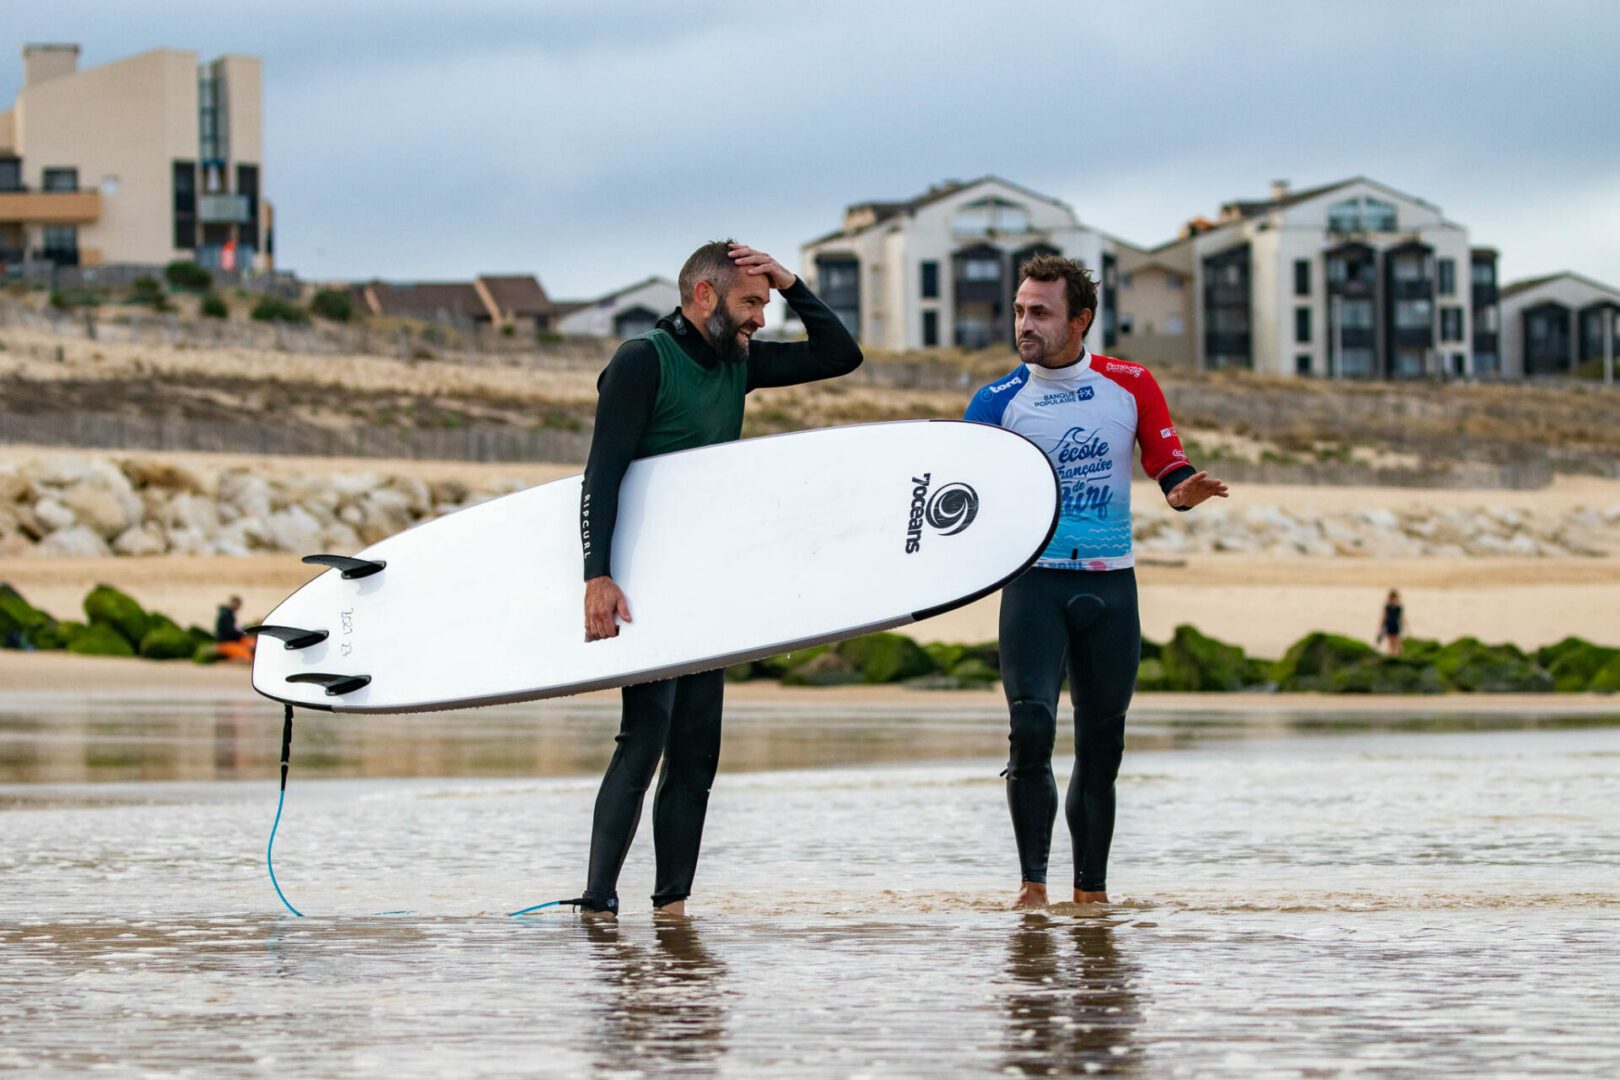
624	313
1553	325
1351	280
940	270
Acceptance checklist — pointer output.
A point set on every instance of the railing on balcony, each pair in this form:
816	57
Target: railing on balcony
50	207
224	209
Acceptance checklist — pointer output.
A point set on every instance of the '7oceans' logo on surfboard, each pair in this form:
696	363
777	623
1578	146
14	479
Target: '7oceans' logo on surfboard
952	509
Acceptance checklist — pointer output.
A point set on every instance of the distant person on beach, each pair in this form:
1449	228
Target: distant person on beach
1393	627
679	386
233	644
1076	608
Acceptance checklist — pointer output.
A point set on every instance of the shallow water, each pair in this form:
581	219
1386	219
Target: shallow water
1298	897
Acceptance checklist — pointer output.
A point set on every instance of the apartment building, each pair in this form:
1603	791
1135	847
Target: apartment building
940	269
1349	280
1554	324
142	160
622	313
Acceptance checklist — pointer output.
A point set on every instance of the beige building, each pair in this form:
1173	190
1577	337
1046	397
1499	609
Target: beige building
143	160
1559	324
941	269
1349	280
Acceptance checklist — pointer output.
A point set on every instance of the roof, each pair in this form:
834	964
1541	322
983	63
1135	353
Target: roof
878	212
1513	288
642	284
1245	208
429	300
516	294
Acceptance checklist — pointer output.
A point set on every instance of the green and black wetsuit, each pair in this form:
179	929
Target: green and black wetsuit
664	391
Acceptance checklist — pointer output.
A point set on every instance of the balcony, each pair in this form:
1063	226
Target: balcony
978	291
50	207
224	209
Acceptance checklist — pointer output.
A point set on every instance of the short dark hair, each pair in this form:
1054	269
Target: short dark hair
711	263
1080	286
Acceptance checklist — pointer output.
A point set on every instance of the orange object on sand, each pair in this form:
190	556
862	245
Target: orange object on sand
237	650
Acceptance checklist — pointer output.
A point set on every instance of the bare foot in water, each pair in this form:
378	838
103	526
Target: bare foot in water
1081	896
676	910
1031	894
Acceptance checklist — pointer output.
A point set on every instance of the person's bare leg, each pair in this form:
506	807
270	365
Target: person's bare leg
675	910
1031	894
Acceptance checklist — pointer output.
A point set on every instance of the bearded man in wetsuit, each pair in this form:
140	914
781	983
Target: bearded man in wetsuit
1075	609
679	386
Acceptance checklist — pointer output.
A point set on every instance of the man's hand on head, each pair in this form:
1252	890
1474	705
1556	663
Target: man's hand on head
757	262
605	603
1194	490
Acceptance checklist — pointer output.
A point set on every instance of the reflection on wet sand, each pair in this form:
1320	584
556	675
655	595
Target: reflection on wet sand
660	1007
1073	1007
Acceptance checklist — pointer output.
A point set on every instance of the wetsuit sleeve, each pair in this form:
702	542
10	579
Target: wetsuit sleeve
625	396
829	352
1162	455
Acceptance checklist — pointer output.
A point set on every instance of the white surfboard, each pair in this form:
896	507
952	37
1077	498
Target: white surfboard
726	553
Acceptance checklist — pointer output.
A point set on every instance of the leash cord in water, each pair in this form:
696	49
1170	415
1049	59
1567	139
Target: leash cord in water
577	901
270	848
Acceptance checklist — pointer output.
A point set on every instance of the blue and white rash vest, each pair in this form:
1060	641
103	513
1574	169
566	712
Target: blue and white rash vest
1087	417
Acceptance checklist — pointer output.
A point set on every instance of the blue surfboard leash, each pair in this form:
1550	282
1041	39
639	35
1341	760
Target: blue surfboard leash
281	802
270	848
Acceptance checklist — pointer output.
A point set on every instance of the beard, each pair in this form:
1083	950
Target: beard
1051	351
722	329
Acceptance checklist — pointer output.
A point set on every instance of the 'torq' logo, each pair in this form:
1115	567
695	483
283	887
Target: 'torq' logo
951	509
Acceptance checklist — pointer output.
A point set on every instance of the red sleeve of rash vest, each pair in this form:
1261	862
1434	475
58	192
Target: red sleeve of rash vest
1161	446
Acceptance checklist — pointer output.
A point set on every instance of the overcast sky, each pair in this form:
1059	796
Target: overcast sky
597	143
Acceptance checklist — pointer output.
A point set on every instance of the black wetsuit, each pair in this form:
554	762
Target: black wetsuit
225	627
1393	620
675	719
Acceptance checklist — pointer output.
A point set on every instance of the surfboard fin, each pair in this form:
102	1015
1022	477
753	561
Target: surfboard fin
349	566
292	635
336	685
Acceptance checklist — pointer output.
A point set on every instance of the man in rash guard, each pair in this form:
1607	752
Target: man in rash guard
680	386
1076	607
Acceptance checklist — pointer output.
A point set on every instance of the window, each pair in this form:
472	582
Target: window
1355	314
1485	320
1447	272
1451	324
1302	364
247	186
62	179
1485	363
1174	326
10	174
1125	323
981	269
1409	266
930	279
1414	314
1302	325
1302	277
62	244
1484	274
930	328
838	275
1362	214
1409	364
1356	363
185	205
1172	281
1124	279
990	215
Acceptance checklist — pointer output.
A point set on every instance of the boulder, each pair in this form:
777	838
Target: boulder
1574	662
192	513
1150	675
945	656
101	509
886	658
58	635
1469	665
294	529
21	623
1311	662
973	671
79	542
145	474
1195	662
1607	678
828	669
777	667
167	643
1385	675
100	639
248	492
106	606
146	539
16	488
53	515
